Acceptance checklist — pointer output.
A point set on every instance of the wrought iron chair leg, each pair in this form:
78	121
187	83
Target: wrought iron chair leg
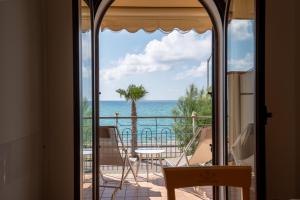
138	165
102	176
133	173
113	196
135	178
127	172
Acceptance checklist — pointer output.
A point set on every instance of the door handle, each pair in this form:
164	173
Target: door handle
267	115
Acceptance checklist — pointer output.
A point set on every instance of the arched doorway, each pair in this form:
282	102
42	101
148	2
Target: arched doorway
219	78
106	17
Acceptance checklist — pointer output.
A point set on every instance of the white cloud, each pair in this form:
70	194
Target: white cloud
243	64
86	54
241	29
86	71
162	55
193	72
86	46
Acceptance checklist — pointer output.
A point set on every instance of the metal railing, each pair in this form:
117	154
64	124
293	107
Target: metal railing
152	131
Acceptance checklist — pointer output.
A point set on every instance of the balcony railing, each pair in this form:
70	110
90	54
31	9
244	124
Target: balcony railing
152	131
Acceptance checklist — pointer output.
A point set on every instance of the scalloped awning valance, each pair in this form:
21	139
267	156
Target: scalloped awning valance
166	15
152	15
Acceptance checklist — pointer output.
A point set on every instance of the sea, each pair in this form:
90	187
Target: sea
144	108
154	118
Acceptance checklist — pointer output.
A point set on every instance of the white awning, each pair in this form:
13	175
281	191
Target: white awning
85	20
166	15
151	15
242	9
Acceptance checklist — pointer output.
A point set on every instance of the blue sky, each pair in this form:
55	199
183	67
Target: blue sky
165	64
241	45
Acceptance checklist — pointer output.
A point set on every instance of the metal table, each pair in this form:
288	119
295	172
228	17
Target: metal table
148	152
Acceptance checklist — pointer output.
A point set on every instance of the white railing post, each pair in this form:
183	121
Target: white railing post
194	114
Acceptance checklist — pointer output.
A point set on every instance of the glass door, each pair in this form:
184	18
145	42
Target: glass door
86	107
241	80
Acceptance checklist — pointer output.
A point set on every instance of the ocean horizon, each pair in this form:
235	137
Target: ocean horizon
108	108
154	109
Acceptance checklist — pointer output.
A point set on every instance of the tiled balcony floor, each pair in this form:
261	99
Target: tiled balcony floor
153	189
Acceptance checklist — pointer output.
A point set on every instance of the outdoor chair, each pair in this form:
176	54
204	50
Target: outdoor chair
243	148
243	151
202	154
235	176
113	153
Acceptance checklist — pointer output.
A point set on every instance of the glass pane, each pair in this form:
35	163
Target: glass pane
86	102
241	88
149	48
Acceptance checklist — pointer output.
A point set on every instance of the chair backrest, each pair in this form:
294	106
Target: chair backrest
202	153
192	140
235	176
243	148
188	146
109	149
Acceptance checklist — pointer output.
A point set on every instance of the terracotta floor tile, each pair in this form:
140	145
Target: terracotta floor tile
155	198
143	198
154	189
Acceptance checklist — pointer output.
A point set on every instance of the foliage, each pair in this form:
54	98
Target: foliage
86	113
133	94
197	101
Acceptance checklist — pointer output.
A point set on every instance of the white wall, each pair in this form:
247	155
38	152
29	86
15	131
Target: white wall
21	149
281	84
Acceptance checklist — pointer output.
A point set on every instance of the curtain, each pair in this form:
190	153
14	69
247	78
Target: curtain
234	105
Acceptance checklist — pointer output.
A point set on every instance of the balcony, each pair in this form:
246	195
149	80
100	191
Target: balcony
152	132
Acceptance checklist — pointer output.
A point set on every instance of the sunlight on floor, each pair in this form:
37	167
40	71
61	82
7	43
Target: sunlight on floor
153	189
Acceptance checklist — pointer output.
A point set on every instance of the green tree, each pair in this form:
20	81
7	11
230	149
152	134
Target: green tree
197	101
133	93
86	113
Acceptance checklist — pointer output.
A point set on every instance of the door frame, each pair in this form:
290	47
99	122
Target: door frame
216	15
260	107
217	7
261	112
77	96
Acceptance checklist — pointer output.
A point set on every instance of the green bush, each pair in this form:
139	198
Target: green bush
197	101
86	124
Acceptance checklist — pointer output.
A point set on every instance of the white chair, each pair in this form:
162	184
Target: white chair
202	154
243	148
